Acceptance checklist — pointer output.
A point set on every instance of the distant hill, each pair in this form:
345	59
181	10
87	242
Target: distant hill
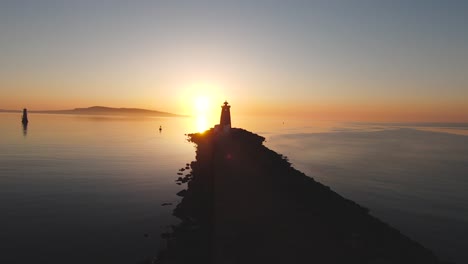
102	110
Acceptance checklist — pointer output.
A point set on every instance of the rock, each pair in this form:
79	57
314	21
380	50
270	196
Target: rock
182	193
166	235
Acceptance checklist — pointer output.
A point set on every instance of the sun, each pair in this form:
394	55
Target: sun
201	104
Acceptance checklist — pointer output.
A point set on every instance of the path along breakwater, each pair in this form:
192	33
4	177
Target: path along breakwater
244	203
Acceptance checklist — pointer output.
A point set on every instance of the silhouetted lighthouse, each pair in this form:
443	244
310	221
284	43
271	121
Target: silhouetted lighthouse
225	122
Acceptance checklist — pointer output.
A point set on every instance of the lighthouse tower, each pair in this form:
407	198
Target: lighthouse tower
225	122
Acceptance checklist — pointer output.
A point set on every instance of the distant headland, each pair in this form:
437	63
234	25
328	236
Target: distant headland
101	110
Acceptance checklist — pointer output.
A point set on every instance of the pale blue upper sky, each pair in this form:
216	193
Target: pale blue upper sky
335	52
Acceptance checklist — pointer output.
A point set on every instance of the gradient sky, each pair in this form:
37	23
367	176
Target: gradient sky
359	60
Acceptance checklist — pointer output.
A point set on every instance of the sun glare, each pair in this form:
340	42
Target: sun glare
202	101
201	104
201	123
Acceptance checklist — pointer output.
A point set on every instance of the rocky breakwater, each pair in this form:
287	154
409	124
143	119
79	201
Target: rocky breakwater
244	203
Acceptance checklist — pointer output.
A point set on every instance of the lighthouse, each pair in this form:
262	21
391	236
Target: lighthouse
225	122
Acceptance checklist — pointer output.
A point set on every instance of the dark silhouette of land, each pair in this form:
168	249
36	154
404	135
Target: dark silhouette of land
246	204
102	110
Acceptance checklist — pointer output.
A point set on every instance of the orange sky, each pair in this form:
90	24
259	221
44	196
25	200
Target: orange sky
402	63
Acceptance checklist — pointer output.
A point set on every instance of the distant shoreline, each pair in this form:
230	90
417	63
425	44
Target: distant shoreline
102	110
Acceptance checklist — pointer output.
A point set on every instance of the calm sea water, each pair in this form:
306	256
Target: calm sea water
412	176
86	189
